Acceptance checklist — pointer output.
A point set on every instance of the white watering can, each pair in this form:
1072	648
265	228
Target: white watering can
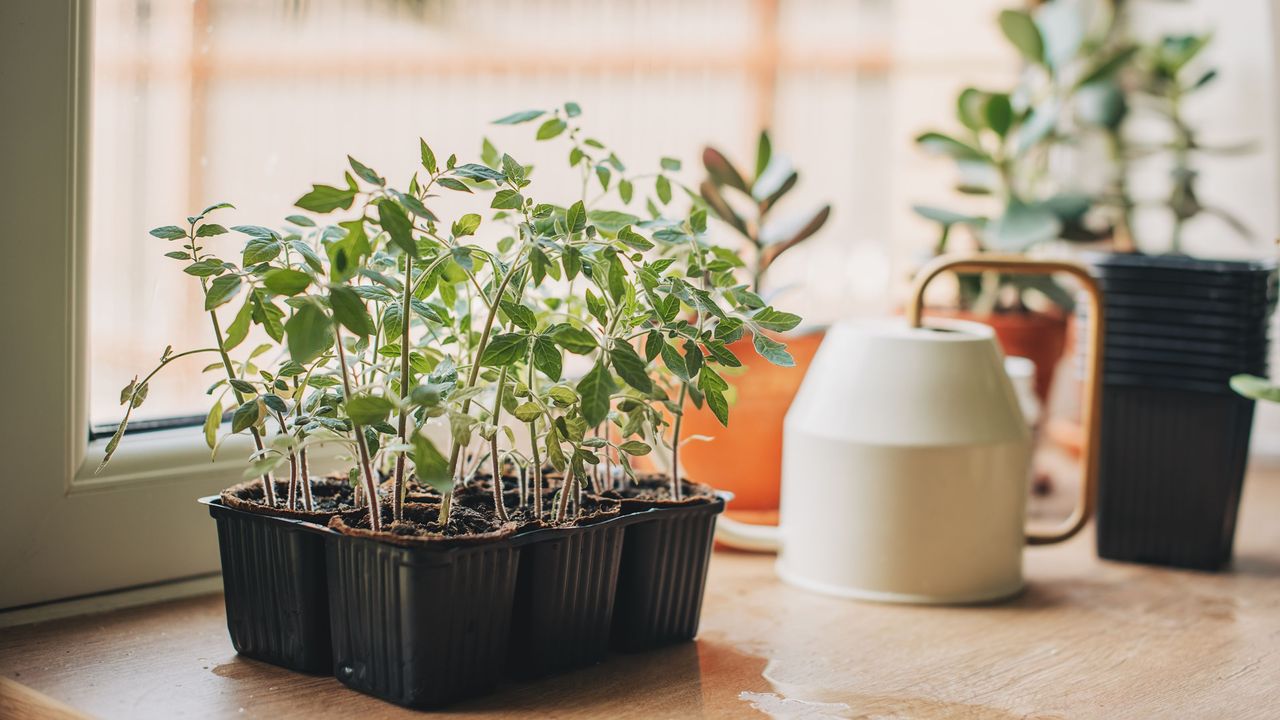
906	457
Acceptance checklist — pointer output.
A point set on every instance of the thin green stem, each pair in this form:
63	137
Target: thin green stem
371	487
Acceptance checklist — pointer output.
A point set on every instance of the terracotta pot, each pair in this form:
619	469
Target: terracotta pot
746	457
1039	337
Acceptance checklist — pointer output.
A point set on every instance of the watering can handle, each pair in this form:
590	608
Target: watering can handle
1091	402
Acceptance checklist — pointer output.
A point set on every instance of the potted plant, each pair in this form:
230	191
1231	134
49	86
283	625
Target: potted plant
748	462
443	571
1004	153
1178	329
681	322
273	560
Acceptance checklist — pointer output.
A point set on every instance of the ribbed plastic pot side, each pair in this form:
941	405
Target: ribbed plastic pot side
422	624
274	577
663	574
565	595
1170	474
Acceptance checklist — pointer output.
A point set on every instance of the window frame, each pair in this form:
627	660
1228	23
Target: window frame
68	530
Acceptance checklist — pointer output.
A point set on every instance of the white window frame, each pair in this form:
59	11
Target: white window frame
66	531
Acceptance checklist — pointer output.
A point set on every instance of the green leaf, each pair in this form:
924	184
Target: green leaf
764	151
366	409
652	345
239	327
309	332
260	250
574	339
205	268
520	315
169	232
635	447
551	128
625	190
452	184
519	117
212	422
429	466
527	412
546	358
428	157
210	230
576	217
396	222
674	361
504	349
634	240
1022	226
221	290
466	225
630	367
604	175
772	350
1021	30
670	163
507	199
775	320
326	199
611	222
245	416
475	171
349	310
719	406
365	173
572	109
944	217
301	220
596	388
937	143
1258	388
286	281
663	187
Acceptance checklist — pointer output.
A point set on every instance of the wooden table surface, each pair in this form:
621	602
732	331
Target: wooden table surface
1088	638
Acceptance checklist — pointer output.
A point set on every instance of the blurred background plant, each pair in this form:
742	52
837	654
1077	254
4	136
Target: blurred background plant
1031	147
727	188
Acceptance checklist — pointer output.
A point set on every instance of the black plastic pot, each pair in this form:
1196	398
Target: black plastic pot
1171	467
1175	438
663	575
421	625
564	599
274	583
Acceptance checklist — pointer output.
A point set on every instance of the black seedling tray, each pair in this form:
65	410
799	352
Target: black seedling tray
1114	353
274	583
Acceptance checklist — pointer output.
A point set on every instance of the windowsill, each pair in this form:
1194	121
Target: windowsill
1087	637
153	457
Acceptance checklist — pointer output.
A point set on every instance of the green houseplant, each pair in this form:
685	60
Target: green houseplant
748	462
1004	153
435	363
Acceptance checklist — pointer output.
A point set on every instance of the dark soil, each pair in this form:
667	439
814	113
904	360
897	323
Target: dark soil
329	496
477	494
421	525
655	491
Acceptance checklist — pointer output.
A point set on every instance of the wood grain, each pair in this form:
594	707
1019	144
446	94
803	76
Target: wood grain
1089	639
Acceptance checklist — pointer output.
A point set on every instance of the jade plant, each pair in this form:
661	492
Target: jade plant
758	194
1169	72
1007	140
393	324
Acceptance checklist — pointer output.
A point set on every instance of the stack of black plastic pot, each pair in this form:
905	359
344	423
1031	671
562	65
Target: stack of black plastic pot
1175	438
425	624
